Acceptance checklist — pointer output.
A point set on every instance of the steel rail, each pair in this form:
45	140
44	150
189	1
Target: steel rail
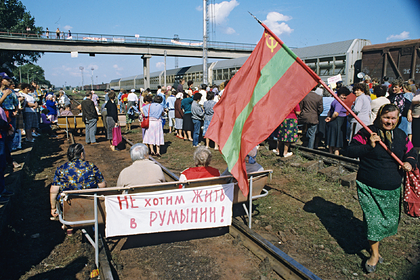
284	265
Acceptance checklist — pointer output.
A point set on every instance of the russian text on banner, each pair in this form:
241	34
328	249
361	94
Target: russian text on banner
256	101
173	210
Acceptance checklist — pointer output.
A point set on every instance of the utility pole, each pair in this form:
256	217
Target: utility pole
205	33
164	70
91	83
176	38
81	69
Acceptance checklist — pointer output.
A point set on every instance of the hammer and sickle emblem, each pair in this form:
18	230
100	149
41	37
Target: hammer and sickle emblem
273	44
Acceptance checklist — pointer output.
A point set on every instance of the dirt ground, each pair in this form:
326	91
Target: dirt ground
315	221
200	254
34	247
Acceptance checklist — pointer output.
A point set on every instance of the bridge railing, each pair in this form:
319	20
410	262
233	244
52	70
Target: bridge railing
124	39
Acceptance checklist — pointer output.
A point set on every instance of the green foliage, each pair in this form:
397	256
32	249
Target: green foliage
15	19
30	72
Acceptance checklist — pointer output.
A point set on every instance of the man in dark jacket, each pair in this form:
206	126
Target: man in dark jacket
90	118
311	108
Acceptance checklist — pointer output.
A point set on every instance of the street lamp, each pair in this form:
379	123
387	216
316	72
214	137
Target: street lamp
34	76
91	84
81	69
27	74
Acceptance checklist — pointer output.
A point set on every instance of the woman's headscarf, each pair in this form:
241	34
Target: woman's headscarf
386	135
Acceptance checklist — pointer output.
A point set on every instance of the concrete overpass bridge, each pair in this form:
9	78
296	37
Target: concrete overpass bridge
146	47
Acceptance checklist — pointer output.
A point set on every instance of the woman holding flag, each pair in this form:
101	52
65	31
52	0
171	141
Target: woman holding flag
379	177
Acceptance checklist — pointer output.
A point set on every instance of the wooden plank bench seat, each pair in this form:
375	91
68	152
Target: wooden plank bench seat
76	122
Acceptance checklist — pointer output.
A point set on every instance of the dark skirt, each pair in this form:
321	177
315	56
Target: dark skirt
110	123
19	121
187	123
288	130
416	132
335	132
322	127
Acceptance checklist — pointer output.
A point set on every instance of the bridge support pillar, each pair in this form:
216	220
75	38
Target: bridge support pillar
146	70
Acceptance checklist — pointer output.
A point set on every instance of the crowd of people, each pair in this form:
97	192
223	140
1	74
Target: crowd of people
390	110
188	112
25	109
325	123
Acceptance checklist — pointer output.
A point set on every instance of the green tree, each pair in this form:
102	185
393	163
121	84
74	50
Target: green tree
30	72
15	19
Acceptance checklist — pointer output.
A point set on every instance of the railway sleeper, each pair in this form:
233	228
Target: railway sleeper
333	173
313	165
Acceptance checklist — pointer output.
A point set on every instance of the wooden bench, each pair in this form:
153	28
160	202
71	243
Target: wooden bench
79	205
76	122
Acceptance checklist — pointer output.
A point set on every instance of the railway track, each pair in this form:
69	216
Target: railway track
334	167
273	258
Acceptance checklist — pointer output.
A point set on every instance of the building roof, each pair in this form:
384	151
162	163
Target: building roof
331	49
128	78
325	50
231	63
405	43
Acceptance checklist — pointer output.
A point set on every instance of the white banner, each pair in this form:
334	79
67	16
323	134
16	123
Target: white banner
332	81
173	210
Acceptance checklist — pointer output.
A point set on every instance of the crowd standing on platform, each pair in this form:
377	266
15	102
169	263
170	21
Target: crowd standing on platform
331	126
323	121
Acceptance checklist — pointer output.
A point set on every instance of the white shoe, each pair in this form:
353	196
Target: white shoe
34	134
275	151
288	154
27	140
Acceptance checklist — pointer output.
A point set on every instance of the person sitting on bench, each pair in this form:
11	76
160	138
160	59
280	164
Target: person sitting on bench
202	158
142	171
66	111
76	174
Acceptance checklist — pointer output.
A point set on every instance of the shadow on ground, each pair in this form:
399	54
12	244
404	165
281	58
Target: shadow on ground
340	223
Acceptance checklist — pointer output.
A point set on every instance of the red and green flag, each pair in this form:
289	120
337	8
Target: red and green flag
256	101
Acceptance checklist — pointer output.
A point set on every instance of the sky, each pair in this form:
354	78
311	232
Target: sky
298	23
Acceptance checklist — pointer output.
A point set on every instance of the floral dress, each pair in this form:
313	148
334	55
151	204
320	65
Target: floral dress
288	129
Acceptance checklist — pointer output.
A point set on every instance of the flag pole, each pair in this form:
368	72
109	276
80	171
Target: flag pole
314	75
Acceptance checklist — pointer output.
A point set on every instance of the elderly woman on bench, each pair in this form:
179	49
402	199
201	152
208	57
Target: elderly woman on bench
143	171
76	174
202	159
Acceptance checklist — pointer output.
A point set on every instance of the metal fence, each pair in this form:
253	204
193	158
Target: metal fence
123	39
